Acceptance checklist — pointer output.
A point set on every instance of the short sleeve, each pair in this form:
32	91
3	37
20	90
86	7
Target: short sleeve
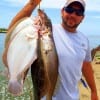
88	52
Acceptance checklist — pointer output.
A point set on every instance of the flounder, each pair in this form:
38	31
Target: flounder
20	52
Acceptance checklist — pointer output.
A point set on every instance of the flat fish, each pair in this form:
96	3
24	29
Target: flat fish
20	53
45	77
16	28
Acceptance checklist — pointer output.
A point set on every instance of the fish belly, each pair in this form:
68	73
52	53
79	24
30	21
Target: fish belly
15	29
22	51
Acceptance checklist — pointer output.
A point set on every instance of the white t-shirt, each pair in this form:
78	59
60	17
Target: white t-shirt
72	50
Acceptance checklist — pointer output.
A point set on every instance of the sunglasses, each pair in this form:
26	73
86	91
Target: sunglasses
70	10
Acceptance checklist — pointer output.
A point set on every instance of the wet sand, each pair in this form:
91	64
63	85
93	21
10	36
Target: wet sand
85	92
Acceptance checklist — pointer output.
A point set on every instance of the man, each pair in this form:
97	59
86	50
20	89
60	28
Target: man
72	49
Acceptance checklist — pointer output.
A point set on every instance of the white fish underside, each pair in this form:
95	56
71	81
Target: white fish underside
22	51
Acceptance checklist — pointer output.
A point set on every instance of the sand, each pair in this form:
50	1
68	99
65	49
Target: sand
84	92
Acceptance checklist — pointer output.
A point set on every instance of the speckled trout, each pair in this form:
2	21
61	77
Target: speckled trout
45	69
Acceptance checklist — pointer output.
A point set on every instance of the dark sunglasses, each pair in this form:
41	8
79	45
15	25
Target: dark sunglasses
70	10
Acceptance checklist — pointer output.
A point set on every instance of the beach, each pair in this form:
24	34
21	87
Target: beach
85	92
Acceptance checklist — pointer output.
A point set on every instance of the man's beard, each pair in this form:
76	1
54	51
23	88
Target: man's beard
65	23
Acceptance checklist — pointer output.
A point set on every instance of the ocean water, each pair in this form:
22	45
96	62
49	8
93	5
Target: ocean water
94	41
2	39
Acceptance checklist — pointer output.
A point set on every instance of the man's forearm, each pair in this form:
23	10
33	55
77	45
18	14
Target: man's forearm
26	11
88	74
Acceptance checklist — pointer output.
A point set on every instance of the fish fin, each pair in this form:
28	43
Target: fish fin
15	87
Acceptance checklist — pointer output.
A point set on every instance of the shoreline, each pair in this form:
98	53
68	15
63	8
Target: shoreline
1	32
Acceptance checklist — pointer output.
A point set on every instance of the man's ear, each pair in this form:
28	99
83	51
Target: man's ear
82	18
62	10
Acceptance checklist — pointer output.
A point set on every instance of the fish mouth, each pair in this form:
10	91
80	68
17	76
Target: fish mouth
45	23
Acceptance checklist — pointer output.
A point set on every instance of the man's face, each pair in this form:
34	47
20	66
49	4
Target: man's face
72	16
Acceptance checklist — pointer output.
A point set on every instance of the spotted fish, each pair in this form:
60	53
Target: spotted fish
44	70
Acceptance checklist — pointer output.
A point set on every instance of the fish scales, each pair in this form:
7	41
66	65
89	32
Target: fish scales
47	61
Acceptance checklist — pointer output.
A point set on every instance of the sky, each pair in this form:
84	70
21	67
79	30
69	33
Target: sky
90	24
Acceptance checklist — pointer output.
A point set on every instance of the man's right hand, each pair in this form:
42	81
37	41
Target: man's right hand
32	1
35	1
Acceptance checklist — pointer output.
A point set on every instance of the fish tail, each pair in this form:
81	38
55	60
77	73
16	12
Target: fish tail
15	87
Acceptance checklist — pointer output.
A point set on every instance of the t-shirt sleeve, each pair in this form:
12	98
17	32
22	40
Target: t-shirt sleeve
88	52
